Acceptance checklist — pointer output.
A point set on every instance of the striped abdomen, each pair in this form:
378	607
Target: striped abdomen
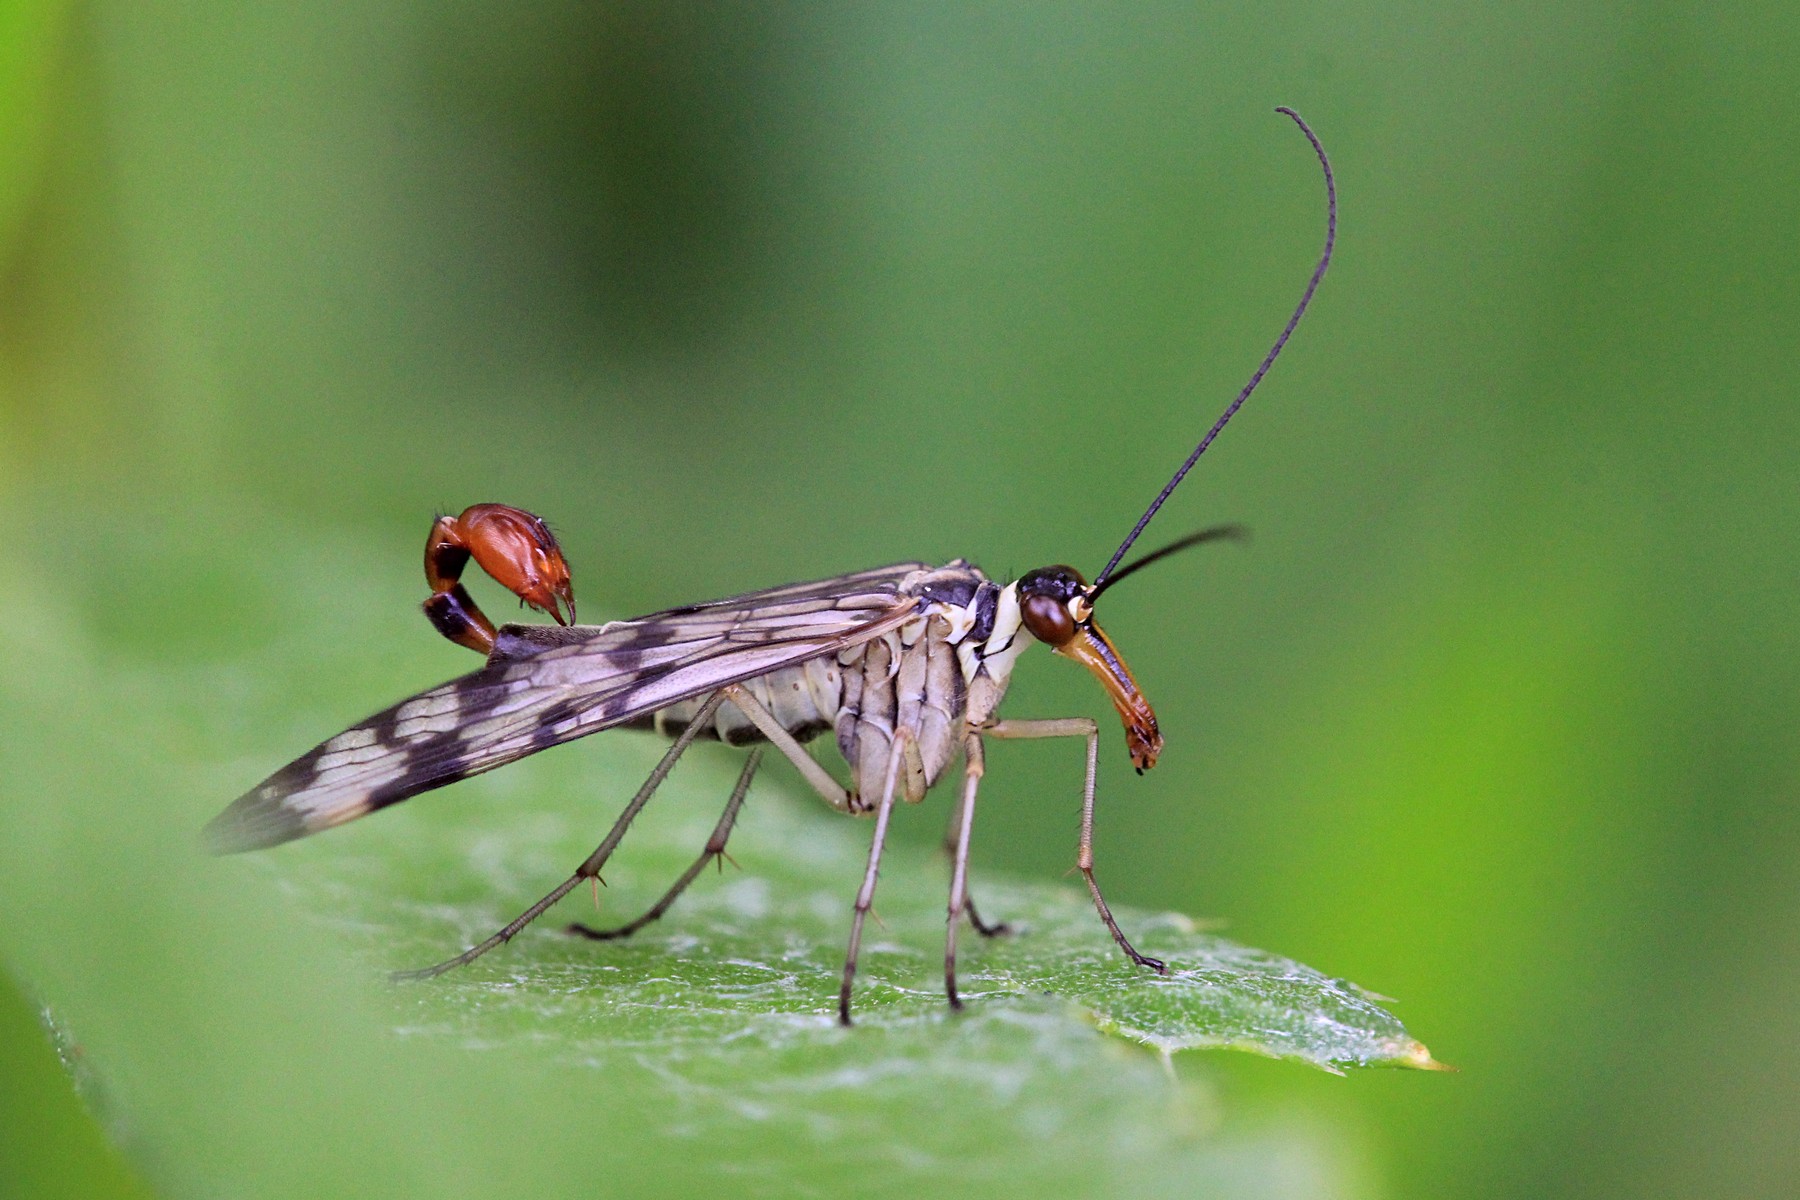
805	699
909	680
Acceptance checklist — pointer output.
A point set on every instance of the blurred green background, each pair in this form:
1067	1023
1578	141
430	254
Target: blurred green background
1496	714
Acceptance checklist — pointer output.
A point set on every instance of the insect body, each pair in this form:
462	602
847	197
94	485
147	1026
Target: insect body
905	665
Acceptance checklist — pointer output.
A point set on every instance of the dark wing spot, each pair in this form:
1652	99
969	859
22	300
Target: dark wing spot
296	775
383	726
406	787
556	714
479	694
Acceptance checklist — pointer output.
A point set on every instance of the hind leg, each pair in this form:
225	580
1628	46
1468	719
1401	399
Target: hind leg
714	851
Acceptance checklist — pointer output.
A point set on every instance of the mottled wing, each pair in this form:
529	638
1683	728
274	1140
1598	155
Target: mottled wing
543	686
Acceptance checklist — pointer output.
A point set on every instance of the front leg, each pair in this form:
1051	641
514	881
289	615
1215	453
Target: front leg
1084	859
510	544
974	766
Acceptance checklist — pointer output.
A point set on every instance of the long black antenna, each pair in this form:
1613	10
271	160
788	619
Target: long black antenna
1233	532
1268	360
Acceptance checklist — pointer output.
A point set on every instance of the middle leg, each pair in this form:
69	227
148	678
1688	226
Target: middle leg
865	896
952	837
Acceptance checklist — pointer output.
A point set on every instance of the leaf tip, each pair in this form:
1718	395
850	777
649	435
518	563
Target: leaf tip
1416	1056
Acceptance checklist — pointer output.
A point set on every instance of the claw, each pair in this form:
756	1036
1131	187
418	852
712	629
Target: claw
510	544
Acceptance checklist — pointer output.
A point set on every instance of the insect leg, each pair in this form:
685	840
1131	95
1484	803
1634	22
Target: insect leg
590	868
865	896
835	795
996	929
974	766
1084	859
715	848
951	837
830	789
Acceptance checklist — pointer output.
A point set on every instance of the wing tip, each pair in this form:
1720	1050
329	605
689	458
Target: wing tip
254	821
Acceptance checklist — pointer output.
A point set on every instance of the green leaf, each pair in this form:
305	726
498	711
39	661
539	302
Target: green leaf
754	955
242	1039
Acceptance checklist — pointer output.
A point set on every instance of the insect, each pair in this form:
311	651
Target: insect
905	665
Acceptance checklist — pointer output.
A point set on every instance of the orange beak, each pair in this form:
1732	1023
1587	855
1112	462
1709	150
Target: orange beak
1094	650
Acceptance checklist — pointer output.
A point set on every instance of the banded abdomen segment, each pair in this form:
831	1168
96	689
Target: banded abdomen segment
909	679
803	698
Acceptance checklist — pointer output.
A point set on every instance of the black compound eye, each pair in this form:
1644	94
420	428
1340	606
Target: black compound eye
1044	596
1047	618
1058	583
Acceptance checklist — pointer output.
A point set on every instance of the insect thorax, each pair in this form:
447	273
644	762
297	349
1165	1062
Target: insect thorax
931	678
